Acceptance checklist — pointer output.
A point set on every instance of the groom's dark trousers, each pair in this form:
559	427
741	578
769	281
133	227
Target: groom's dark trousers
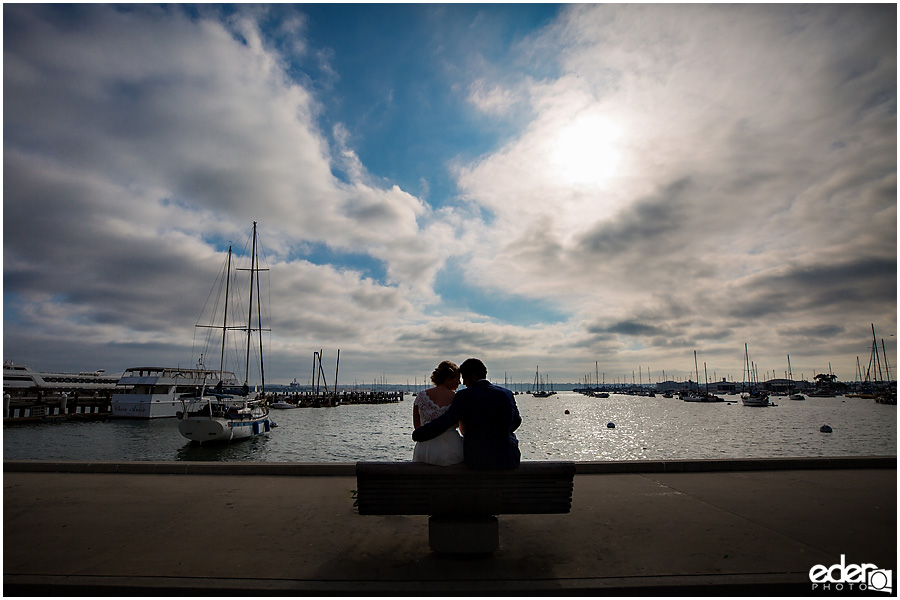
490	416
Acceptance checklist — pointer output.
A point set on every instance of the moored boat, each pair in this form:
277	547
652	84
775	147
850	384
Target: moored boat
154	392
218	416
695	396
755	398
793	394
539	391
214	417
21	380
752	396
283	405
885	391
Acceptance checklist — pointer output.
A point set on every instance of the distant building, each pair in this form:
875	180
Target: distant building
669	386
725	387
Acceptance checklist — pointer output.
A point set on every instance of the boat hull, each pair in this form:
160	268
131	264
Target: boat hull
701	398
283	405
215	429
151	406
755	400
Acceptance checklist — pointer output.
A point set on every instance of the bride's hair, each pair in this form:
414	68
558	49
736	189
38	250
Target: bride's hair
443	372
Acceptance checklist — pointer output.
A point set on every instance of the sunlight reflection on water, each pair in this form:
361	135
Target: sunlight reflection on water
645	429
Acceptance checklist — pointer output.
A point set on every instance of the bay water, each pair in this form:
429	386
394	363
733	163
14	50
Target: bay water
645	429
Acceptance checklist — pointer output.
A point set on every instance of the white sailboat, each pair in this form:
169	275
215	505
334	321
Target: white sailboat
793	393
220	415
752	397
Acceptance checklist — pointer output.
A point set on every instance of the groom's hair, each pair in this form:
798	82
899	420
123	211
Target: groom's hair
473	369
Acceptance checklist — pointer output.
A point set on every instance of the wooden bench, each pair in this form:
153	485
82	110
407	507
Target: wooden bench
462	503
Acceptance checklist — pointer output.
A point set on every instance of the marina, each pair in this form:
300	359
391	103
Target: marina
646	428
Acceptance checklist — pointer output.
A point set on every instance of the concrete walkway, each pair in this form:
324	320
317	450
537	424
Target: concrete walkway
690	527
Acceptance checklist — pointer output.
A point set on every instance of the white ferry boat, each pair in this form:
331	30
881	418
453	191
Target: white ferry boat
21	380
154	392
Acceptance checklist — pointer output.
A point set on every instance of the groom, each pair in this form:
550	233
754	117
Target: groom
489	416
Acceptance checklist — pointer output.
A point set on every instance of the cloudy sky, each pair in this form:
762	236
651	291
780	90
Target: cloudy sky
529	184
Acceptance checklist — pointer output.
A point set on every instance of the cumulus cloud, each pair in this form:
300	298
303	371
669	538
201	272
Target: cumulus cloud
137	142
755	145
667	177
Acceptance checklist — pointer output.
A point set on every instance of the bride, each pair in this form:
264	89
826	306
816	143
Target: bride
447	448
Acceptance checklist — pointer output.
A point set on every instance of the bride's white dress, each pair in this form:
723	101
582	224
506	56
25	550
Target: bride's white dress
445	449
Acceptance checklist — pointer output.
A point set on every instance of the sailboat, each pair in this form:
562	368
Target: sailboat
697	395
225	415
793	393
538	391
885	392
752	397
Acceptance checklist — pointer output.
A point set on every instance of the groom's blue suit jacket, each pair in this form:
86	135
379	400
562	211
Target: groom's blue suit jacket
490	416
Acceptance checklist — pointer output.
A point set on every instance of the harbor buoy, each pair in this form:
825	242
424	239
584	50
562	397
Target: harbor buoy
611	425
825	429
567	411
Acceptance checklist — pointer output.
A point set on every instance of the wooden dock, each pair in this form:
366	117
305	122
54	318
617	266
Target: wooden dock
57	409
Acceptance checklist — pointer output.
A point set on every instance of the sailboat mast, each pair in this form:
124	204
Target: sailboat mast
337	366
705	377
262	369
250	314
790	373
875	352
747	375
697	369
225	317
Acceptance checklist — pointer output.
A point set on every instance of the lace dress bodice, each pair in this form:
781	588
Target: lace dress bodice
445	449
428	410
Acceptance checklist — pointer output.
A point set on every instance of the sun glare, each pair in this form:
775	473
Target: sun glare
585	151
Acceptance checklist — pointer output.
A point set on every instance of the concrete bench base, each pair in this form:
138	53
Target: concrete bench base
464	535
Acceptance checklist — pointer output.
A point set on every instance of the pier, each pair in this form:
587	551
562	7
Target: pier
729	527
55	406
